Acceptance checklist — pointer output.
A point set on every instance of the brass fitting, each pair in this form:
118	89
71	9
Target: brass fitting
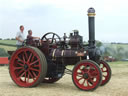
91	12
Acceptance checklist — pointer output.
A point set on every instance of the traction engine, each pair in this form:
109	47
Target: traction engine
46	60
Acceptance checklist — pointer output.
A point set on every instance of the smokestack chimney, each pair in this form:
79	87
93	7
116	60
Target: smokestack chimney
91	22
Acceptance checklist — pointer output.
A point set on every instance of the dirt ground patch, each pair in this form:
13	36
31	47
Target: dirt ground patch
118	85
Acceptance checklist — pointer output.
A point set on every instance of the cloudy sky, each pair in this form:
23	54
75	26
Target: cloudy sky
62	16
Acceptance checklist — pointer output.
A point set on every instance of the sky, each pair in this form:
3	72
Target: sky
63	16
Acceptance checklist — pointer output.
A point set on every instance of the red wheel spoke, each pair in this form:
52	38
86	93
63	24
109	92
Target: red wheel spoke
34	69
81	71
20	59
85	69
103	66
102	69
80	78
90	80
83	82
85	65
79	74
21	75
16	68
93	76
29	57
94	71
24	59
88	83
25	77
31	75
20	64
34	62
28	79
36	65
32	58
89	69
26	55
34	74
105	71
20	72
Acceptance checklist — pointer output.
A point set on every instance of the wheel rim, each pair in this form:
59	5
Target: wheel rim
25	67
50	80
106	72
86	76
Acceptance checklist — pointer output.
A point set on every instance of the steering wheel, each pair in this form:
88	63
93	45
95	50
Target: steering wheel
51	37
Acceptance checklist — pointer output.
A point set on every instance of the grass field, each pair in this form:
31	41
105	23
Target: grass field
13	42
8	48
117	86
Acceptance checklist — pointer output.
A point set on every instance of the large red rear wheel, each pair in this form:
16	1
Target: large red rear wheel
27	67
106	72
87	75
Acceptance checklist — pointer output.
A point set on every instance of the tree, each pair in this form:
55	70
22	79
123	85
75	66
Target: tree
99	43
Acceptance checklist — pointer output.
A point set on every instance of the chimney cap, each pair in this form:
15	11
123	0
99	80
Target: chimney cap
91	10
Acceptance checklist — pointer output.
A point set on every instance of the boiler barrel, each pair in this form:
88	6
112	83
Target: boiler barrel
68	57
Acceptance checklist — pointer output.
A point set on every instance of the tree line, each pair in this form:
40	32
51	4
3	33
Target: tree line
117	51
8	39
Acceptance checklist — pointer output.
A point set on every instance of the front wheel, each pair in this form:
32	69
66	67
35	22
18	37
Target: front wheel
87	75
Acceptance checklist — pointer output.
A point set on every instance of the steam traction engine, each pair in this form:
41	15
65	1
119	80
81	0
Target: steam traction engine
45	61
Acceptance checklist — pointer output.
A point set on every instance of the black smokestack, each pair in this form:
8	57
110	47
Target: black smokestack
91	22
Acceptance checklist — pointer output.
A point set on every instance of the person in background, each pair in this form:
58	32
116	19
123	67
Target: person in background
20	37
31	39
29	36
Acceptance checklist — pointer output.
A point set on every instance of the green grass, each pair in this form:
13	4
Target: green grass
13	42
119	62
8	48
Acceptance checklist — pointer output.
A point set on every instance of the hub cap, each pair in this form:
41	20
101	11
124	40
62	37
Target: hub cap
85	76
